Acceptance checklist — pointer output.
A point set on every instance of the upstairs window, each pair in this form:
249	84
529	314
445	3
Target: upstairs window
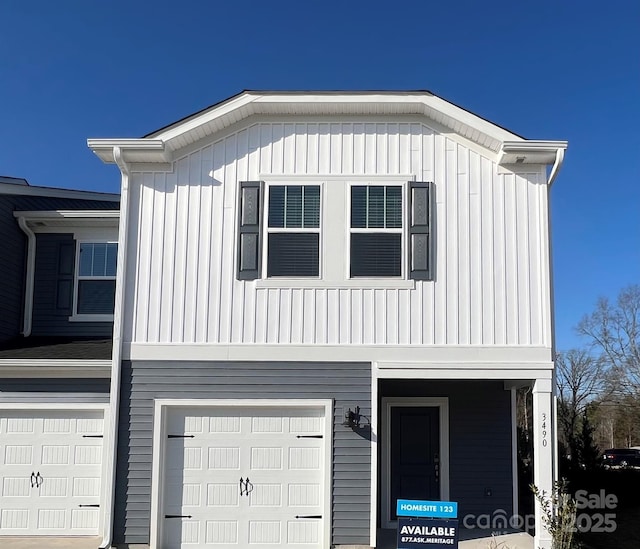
96	278
293	231
376	231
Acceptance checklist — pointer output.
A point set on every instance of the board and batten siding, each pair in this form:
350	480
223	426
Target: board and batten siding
491	280
348	384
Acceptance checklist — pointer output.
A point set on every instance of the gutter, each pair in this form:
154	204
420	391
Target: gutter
31	273
116	357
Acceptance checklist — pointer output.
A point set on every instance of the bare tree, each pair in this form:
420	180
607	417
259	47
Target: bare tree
614	332
580	379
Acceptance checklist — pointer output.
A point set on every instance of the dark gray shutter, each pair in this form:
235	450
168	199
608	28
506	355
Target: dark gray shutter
420	230
250	230
64	282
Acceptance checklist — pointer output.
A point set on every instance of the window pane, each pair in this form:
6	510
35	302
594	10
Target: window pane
276	206
112	256
99	267
293	254
86	259
376	207
96	296
394	207
358	207
312	206
376	254
293	214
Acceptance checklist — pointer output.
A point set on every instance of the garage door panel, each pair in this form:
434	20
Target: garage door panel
258	468
221	532
14	519
50	470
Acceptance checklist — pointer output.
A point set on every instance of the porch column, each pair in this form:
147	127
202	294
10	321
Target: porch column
543	442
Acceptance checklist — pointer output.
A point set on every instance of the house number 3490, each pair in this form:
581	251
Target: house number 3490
545	440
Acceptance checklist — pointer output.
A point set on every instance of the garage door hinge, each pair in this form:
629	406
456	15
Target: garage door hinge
177	516
92	436
309	516
180	436
309	436
90	505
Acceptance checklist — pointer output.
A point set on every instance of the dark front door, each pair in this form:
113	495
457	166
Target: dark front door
415	454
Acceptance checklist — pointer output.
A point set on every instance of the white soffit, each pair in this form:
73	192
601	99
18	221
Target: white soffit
159	146
41	220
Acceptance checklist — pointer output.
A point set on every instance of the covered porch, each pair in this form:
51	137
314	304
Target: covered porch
455	439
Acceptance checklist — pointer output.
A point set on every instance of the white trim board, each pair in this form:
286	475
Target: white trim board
389	357
442	403
161	407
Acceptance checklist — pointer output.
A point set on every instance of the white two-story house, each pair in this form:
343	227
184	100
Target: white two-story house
325	303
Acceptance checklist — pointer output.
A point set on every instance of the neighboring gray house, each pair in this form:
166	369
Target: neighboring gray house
58	273
326	302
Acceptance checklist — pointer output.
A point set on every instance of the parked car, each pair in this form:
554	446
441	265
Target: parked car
621	457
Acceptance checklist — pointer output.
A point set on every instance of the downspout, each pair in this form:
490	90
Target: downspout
554	395
556	166
31	273
116	356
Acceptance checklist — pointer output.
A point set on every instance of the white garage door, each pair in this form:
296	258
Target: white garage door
50	469
245	477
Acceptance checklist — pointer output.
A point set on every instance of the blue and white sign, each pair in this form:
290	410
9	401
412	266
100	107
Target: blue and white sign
430	509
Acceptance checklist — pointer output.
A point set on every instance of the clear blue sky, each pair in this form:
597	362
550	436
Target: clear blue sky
570	70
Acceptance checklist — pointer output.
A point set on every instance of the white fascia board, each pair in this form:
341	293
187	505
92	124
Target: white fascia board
152	149
533	145
531	152
52	192
205	117
273	103
44	368
35	215
453	112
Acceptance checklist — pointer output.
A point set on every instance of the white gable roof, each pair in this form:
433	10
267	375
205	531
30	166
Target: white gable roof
161	145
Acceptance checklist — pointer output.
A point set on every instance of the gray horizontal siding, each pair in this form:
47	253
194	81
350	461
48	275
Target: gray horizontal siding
480	439
11	271
54	390
348	384
50	314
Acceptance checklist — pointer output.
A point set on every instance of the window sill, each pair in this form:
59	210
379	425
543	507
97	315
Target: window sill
91	318
355	283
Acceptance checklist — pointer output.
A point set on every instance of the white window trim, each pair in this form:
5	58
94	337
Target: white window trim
442	403
390	182
334	269
83	317
303	182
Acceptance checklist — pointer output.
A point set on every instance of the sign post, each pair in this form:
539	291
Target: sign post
424	524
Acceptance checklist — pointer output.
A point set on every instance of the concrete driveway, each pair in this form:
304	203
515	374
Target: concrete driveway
49	543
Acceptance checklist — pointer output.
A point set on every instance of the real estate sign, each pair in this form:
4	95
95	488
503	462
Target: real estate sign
424	524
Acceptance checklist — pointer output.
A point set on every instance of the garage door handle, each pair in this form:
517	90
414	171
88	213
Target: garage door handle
177	516
90	505
39	479
34	480
309	516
